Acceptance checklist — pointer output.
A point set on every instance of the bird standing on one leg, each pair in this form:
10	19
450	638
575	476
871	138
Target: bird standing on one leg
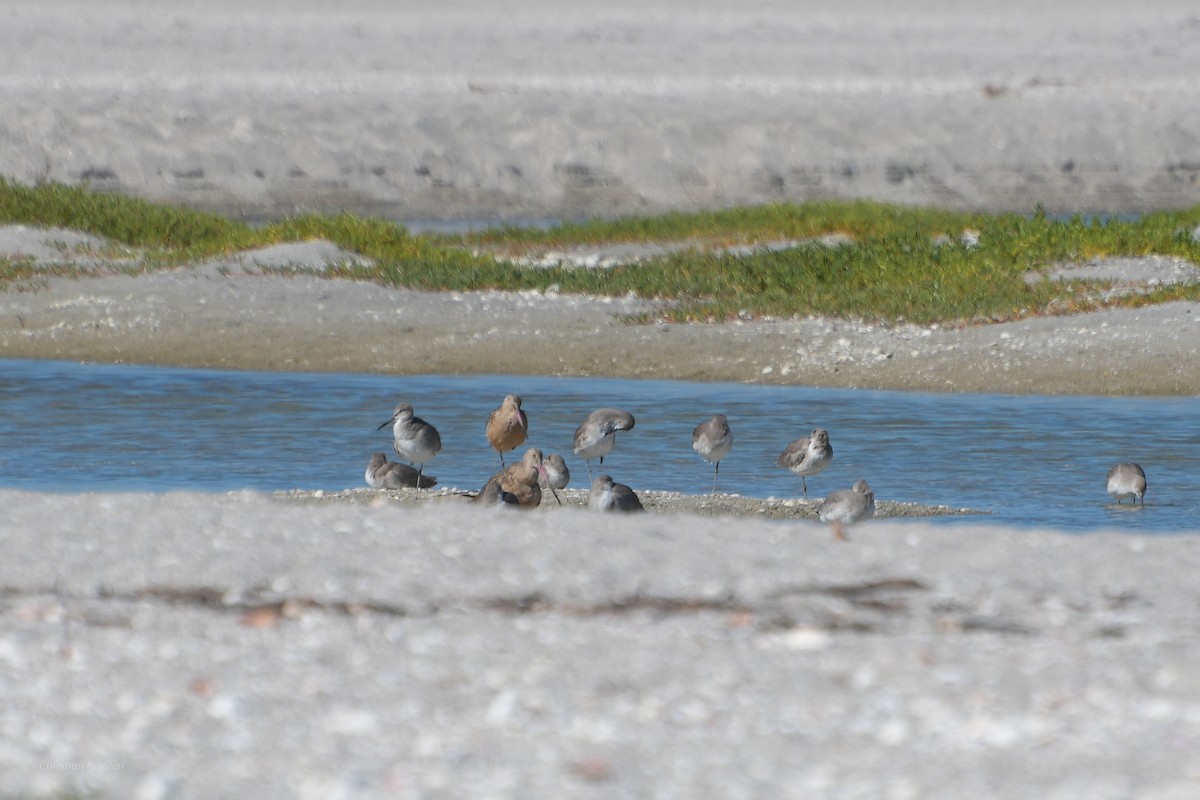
808	456
713	440
413	439
507	426
597	435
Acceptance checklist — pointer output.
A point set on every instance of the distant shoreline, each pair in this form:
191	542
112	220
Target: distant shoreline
216	316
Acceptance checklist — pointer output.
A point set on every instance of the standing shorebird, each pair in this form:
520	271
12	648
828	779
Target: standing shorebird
507	426
384	474
847	507
609	496
713	440
1127	480
808	456
555	474
598	433
413	439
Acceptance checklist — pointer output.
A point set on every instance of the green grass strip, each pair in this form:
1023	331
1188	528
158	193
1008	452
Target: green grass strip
902	263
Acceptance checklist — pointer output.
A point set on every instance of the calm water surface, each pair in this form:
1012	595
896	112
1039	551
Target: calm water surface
1025	460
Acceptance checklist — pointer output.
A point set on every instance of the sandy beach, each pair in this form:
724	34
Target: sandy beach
183	645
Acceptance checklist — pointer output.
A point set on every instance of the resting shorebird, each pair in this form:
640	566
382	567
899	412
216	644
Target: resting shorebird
555	474
517	485
713	440
808	456
1127	480
598	433
847	507
493	495
507	426
608	496
414	439
384	474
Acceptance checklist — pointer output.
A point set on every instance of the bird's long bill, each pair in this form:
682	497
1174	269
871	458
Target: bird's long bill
384	425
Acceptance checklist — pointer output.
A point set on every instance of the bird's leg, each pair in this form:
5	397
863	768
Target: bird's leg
804	484
716	468
542	471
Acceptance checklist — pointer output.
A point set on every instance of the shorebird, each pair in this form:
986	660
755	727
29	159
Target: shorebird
597	435
808	456
384	474
713	440
555	474
493	495
1127	480
507	426
519	484
413	439
847	507
533	460
608	496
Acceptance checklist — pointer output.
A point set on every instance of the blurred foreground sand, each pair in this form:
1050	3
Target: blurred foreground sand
244	646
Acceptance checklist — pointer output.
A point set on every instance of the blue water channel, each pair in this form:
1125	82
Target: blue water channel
1026	460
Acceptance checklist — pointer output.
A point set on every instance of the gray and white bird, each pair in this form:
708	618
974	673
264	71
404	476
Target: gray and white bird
609	496
494	495
713	440
384	474
555	474
598	433
807	456
847	507
413	439
1127	480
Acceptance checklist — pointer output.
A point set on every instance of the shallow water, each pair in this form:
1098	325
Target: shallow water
1025	460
